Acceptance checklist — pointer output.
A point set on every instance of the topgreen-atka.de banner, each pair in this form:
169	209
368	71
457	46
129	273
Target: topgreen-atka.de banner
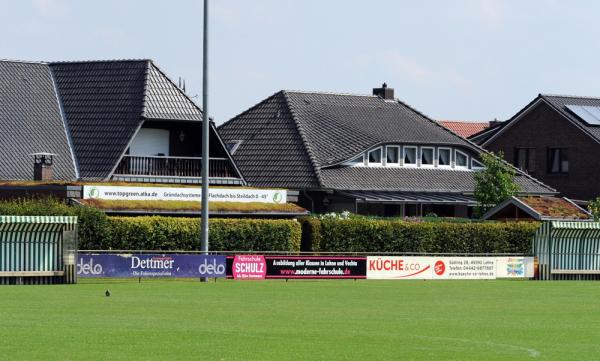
245	195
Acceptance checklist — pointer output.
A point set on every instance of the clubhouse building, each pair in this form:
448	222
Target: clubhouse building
368	154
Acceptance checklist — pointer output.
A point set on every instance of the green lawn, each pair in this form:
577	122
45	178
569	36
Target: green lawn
302	320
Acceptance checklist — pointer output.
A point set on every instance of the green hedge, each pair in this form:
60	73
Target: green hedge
327	234
366	235
169	233
97	231
311	234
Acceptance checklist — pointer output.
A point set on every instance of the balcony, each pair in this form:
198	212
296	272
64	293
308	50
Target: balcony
172	167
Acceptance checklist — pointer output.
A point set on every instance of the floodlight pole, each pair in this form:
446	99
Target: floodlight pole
205	137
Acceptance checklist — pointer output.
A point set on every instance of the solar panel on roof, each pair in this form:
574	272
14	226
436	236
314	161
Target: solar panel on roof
588	114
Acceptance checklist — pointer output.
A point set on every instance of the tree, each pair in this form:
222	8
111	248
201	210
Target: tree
594	208
494	184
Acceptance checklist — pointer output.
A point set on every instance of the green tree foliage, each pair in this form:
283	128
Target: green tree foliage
594	208
494	184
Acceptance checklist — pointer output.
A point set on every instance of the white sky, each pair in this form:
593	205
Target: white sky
460	59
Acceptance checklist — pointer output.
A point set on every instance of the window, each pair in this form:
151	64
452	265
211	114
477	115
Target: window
427	156
525	159
360	160
410	156
444	157
375	156
461	159
232	146
475	164
392	155
558	161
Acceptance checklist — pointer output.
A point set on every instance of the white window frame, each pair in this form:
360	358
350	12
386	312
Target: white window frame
437	159
432	157
236	145
380	164
416	156
474	167
399	148
456	151
361	164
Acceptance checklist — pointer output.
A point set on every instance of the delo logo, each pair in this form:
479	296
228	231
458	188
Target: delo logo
88	268
212	268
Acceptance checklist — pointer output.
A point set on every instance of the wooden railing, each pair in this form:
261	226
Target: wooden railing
163	166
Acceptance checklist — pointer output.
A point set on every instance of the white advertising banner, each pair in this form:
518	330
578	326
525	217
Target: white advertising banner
463	268
514	267
278	196
398	267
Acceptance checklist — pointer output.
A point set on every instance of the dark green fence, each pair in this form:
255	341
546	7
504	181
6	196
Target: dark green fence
37	249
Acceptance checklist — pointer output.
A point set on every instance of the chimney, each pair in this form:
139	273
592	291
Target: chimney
384	92
495	122
42	166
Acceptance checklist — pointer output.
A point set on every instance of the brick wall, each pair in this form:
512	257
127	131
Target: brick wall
544	128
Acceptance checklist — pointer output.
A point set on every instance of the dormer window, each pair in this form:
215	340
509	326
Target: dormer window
392	155
475	164
461	159
444	157
410	156
416	156
427	156
358	161
375	156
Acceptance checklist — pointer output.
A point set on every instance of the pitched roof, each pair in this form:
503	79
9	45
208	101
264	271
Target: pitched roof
465	129
297	140
85	112
361	121
539	208
412	179
272	152
556	102
31	121
560	101
105	103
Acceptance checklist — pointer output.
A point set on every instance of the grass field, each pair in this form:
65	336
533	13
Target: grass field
300	320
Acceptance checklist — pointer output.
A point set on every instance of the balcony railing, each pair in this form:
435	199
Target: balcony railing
163	166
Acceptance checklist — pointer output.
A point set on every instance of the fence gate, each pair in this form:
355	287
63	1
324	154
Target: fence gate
37	249
568	250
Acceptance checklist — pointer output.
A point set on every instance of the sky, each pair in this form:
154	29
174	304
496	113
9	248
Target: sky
472	60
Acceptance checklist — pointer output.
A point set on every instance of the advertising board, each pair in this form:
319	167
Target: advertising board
150	265
245	195
466	268
515	267
246	267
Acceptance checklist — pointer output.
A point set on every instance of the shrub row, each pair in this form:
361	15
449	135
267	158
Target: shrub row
326	234
169	233
97	231
369	235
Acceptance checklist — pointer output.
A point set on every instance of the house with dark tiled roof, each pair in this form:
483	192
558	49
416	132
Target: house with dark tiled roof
369	154
119	120
556	139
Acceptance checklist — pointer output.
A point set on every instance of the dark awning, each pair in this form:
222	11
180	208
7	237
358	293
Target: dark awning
409	197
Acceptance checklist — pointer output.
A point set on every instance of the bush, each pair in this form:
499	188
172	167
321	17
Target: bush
364	235
169	233
35	207
311	234
97	231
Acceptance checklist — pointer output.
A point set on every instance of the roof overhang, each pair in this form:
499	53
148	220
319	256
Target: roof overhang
532	212
409	197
